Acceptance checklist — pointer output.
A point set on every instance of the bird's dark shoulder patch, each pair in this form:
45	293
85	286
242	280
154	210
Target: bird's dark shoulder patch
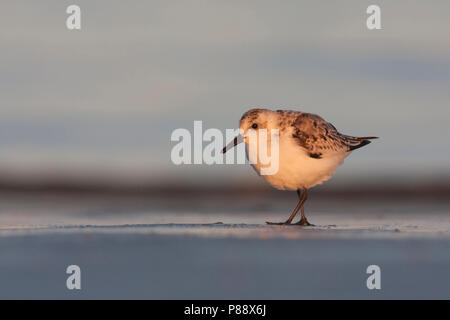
315	155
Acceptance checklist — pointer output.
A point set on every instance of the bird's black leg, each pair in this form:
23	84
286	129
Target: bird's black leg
299	205
303	221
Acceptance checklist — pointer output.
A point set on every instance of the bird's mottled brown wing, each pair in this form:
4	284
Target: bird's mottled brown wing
320	138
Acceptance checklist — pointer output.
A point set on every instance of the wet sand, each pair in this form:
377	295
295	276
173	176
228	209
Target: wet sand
136	249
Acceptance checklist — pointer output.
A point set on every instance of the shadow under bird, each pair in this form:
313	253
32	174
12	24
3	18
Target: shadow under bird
310	150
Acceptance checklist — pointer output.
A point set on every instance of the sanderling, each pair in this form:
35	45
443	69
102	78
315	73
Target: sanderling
310	150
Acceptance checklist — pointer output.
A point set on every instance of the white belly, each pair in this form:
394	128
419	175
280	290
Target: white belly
298	170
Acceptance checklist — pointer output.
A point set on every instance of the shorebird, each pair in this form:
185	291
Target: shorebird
310	150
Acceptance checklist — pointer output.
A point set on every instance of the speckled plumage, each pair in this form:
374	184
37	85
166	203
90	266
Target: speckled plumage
320	137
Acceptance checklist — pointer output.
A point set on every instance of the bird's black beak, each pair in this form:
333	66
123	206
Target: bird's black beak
233	143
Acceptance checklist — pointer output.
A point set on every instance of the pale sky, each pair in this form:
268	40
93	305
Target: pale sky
107	98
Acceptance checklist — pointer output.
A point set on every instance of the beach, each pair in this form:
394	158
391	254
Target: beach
135	249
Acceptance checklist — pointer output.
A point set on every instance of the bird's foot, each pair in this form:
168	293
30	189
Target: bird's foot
278	223
304	222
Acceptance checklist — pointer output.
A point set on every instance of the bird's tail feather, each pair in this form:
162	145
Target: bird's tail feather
365	138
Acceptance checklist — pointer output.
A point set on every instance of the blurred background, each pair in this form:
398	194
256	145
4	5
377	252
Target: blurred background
99	105
95	108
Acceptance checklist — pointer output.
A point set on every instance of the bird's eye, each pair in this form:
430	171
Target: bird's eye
254	126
